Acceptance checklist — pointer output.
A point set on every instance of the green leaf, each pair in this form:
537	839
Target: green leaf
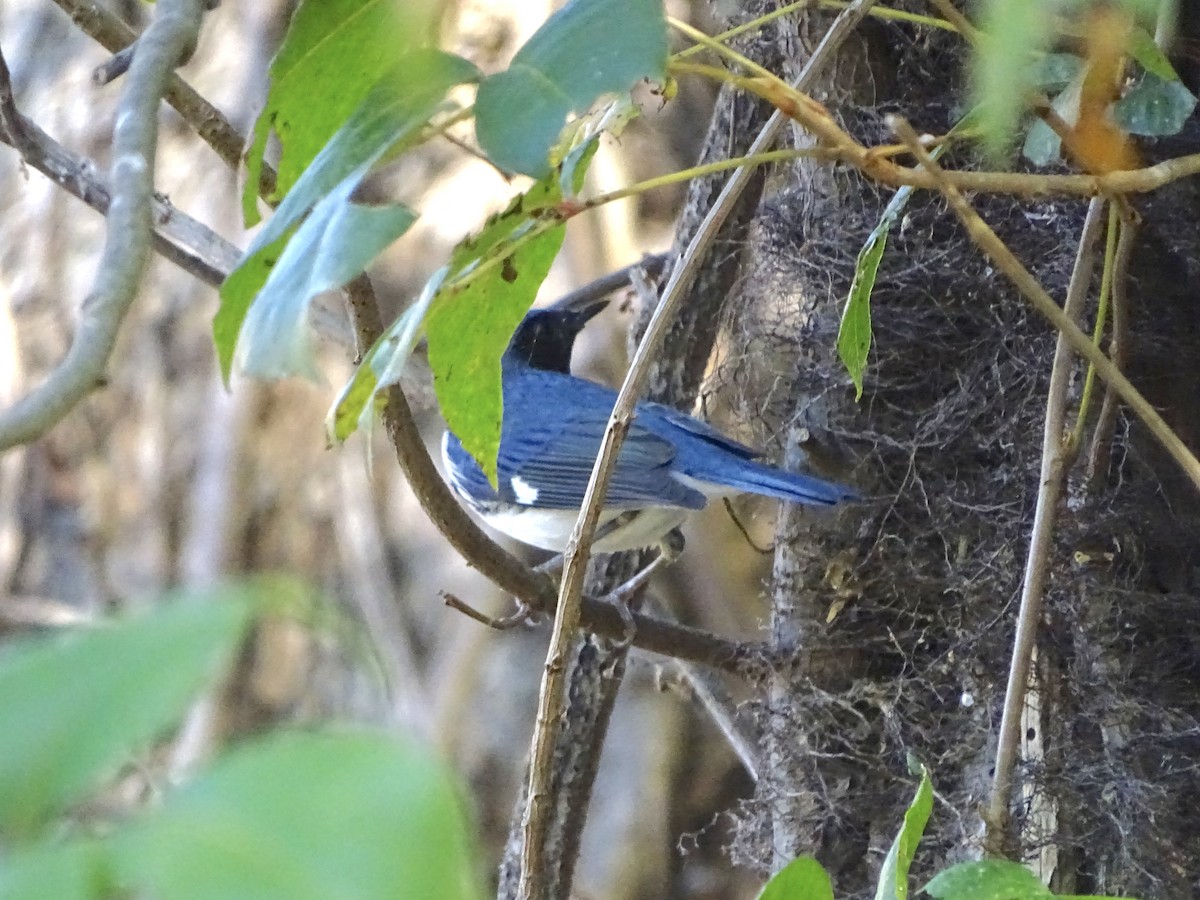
802	879
496	276
586	49
992	879
75	707
893	876
1002	67
1150	56
335	243
1155	107
76	870
306	816
854	333
333	53
393	113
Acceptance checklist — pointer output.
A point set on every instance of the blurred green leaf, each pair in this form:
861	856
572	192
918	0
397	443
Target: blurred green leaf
1002	70
333	53
802	879
301	815
1155	107
335	244
586	49
76	706
893	875
76	870
992	879
394	112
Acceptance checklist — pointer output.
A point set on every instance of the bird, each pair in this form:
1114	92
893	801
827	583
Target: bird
670	464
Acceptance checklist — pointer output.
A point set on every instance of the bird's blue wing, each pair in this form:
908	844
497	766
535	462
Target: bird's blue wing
557	463
552	429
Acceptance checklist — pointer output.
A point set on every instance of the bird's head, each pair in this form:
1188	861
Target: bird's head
545	337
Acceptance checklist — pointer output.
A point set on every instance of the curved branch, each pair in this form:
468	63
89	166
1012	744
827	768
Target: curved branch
127	244
210	123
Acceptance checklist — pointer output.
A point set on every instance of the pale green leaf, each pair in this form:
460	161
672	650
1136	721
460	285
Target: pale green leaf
77	706
992	879
303	816
586	49
334	245
1155	107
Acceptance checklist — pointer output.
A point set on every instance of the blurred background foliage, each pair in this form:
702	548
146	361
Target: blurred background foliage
166	479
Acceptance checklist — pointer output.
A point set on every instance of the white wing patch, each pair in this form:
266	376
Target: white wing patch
525	492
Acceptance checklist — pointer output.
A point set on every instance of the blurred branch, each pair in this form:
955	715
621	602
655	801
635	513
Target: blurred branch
191	245
210	123
127	244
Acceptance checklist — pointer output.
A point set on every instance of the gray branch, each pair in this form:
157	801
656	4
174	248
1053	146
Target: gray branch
128	239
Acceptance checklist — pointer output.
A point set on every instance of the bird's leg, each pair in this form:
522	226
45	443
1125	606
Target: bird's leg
554	565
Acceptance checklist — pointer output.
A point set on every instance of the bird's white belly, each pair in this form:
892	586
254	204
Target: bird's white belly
550	529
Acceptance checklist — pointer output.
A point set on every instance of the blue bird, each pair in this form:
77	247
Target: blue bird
670	464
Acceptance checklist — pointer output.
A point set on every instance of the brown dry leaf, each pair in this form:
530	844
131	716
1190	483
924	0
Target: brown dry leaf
1096	143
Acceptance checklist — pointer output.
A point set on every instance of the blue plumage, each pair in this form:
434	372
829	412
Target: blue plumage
670	463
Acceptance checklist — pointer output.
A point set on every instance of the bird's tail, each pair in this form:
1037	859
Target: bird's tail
755	478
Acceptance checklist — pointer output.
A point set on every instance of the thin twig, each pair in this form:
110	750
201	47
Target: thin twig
552	696
1037	565
114	67
1004	259
190	244
1100	451
209	122
715	701
127	244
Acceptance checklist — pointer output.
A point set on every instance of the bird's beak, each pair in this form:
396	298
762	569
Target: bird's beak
585	314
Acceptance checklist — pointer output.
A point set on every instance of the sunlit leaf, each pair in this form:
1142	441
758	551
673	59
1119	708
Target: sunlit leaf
393	113
333	53
495	279
802	879
586	49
